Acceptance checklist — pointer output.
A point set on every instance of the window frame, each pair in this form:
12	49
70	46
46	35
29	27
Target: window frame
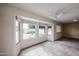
36	24
48	29
45	30
31	23
18	31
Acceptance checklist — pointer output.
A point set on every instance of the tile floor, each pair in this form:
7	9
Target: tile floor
56	48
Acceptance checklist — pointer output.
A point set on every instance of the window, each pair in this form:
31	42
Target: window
49	30
58	28
17	31
28	31
41	30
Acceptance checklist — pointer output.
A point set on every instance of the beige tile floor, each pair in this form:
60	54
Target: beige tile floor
56	48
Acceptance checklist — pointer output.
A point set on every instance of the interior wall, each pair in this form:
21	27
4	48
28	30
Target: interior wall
58	34
71	30
8	28
7	41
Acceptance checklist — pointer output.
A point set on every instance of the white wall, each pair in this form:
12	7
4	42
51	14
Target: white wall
58	35
7	28
7	33
32	41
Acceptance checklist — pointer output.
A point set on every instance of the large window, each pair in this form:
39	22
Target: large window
41	30
28	31
49	30
17	31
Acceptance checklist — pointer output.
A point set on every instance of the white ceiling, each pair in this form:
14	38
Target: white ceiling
60	12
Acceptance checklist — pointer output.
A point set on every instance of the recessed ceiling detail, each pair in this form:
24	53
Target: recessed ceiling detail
60	12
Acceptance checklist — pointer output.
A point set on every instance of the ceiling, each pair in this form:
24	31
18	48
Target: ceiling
60	12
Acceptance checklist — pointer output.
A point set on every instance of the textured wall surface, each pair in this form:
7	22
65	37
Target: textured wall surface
71	30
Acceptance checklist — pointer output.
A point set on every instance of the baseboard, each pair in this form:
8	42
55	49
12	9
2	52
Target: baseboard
66	38
29	47
71	38
58	39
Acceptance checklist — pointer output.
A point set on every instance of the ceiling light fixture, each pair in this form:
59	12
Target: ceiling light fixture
59	15
75	20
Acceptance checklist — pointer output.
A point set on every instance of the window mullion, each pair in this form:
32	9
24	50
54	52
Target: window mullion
37	29
46	30
21	31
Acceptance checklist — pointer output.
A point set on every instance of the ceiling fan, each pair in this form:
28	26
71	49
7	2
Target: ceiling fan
61	12
58	14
